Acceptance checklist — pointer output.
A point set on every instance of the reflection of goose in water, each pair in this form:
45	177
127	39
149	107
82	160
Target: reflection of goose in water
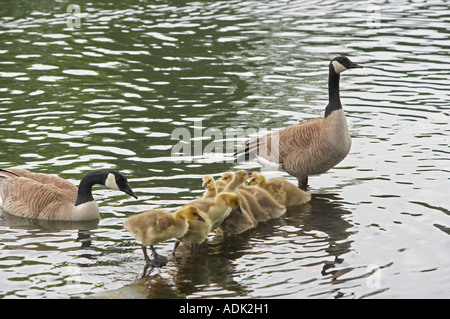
83	227
325	217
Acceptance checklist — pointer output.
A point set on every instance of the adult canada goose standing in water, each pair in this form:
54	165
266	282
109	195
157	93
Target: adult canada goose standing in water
43	196
311	147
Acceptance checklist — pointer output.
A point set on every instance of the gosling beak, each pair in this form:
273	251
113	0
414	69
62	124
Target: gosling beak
130	192
247	183
239	209
200	218
204	185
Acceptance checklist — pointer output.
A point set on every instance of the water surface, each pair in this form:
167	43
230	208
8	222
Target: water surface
108	95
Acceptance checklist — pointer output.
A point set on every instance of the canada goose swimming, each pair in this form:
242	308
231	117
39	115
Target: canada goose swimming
44	196
214	211
155	226
282	190
311	147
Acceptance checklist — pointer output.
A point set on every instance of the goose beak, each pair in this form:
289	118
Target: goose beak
247	183
204	185
354	66
200	218
239	210
130	192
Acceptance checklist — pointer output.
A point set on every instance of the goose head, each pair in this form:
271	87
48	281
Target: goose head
117	181
341	63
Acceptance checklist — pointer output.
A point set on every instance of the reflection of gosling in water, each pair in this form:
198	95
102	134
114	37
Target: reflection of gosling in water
156	226
213	211
282	190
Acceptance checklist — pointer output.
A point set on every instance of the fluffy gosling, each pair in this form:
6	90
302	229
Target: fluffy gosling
155	226
282	190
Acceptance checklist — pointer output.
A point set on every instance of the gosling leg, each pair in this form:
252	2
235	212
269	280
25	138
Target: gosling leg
194	249
158	260
175	246
147	259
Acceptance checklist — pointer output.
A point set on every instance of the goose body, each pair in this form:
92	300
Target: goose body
44	196
311	147
156	226
282	190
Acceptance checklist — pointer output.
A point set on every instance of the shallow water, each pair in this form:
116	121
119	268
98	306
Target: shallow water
109	95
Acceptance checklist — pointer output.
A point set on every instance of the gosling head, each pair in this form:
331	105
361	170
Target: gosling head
251	181
232	200
227	177
241	175
208	182
116	180
341	63
190	213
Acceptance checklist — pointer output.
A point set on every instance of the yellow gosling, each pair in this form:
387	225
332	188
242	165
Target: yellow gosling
263	205
210	187
282	190
196	234
223	181
214	211
237	223
156	226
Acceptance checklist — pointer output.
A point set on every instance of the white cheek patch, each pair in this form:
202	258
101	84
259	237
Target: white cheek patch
338	68
111	181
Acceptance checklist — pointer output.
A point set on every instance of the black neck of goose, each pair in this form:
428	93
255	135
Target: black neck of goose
334	100
85	187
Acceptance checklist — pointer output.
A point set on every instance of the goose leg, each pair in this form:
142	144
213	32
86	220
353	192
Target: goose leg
303	183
